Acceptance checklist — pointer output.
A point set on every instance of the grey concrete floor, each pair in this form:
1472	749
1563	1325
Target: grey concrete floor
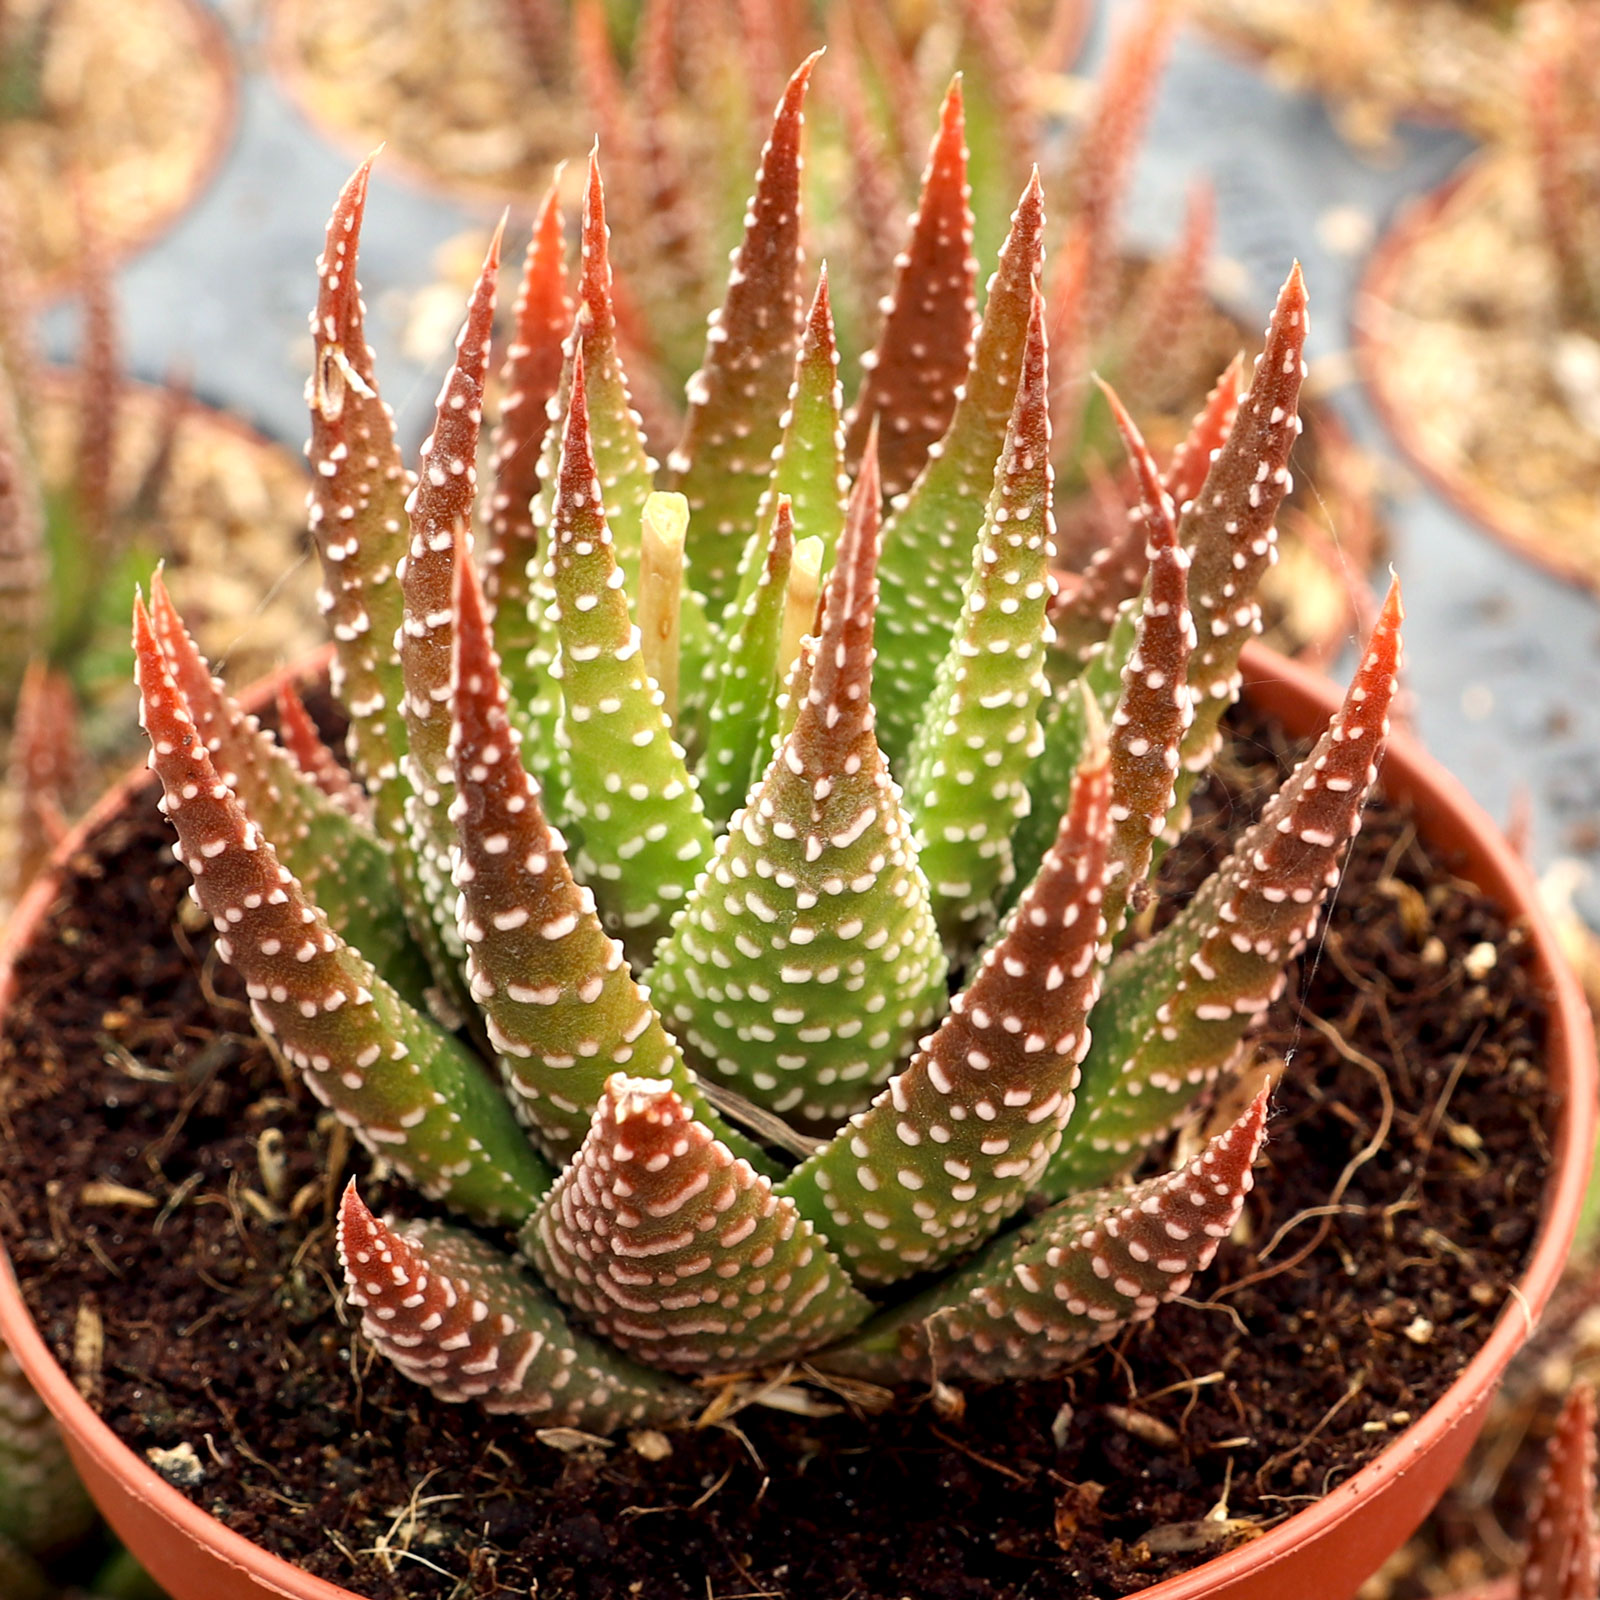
1503	661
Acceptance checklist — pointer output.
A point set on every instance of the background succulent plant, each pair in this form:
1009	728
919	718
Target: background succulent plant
693	1055
49	1530
100	476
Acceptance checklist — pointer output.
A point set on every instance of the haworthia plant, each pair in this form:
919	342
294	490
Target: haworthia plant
777	1006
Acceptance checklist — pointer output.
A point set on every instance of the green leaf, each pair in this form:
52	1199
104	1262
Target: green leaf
927	543
643	835
1174	1013
408	1090
807	958
737	397
949	1150
966	778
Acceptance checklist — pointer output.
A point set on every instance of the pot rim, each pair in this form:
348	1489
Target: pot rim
216	49
1270	679
1374	349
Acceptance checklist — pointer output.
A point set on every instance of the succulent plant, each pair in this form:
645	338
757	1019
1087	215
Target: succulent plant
61	545
732	917
43	1507
1563	1557
1563	130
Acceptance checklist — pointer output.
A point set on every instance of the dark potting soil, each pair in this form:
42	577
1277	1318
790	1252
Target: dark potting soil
165	1194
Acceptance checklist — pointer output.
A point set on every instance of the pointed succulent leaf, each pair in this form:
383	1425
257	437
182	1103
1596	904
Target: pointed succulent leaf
1087	607
912	375
456	1316
816	885
439	507
1102	162
1117	571
337	858
100	378
967	773
529	380
302	742
626	474
406	1088
748	682
561	1007
45	768
808	465
679	1253
870	200
1074	1277
1191	461
357	509
1229	527
1065	737
947	1152
1174	1012
1163	318
927	542
1563	1561
801	619
1154	709
24	572
357	514
43	1507
645	837
624	465
724	459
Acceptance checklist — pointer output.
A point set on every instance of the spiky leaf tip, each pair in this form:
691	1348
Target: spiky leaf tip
409	1091
624	464
807	957
645	834
302	743
735	399
1563	1560
1116	572
1166	319
357	509
458	1317
1229	526
1077	1276
337	858
677	1251
927	545
530	378
947	1152
913	373
1174	1012
808	464
1155	708
1191	459
439	508
1102	161
966	778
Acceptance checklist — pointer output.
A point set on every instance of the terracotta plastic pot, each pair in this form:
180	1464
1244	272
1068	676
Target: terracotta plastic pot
1511	519
1322	1553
